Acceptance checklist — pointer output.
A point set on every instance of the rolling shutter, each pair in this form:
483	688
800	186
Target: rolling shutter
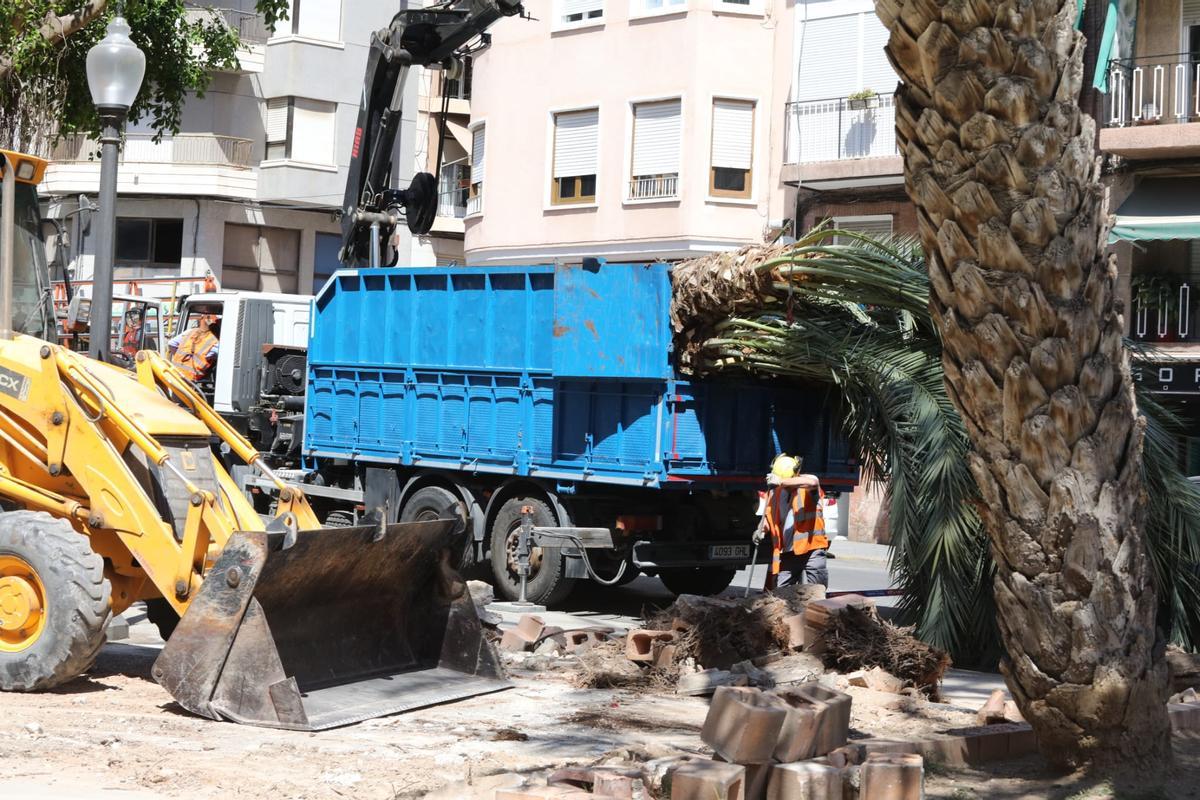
477	155
877	72
656	138
870	227
828	58
569	8
319	19
1191	12
733	134
277	119
313	123
575	143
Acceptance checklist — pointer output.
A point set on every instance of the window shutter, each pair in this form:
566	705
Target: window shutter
878	74
1191	12
313	124
733	134
828	58
320	19
575	142
477	154
571	7
277	119
869	227
656	138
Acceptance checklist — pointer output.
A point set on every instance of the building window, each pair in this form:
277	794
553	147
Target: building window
146	247
654	172
460	88
475	195
732	148
325	259
641	8
312	19
739	6
575	155
260	259
875	225
299	129
454	190
574	13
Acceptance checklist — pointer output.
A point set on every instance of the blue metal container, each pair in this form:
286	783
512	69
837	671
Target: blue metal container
564	373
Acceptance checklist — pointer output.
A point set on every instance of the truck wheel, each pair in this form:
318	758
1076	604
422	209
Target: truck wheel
697	580
547	583
54	602
434	502
160	612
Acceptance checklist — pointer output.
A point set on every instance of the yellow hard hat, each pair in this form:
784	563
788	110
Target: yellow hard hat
784	466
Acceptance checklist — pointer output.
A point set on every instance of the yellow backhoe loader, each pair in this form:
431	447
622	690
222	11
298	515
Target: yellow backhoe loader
111	494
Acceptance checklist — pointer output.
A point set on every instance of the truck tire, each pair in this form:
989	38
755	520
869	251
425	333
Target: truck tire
548	583
697	580
160	612
434	502
54	602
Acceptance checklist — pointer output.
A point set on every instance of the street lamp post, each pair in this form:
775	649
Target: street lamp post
115	68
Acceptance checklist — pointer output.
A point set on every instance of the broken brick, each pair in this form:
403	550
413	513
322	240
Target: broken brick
705	682
710	780
992	712
893	776
583	640
1012	713
664	655
514	642
881	680
805	781
542	793
530	627
795	626
640	644
1184	716
832	714
743	725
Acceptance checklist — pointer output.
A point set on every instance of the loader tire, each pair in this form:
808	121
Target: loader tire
548	583
434	502
697	580
164	617
53	581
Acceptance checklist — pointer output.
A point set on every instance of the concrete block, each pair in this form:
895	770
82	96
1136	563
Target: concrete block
833	714
640	644
514	642
705	682
992	712
805	781
1022	742
798	736
1012	713
584	640
953	751
743	725
708	780
757	778
1184	716
610	782
530	627
893	776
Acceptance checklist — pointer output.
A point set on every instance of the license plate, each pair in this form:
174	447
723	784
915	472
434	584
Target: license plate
729	551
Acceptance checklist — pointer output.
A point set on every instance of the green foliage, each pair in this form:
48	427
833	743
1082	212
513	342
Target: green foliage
44	84
854	317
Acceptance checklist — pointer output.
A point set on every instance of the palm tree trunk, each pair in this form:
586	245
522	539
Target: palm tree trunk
1000	163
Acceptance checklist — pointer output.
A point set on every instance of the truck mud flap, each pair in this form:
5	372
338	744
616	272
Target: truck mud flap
342	626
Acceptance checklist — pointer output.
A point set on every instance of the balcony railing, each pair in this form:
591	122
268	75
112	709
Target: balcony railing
451	204
840	128
653	187
1162	311
475	204
248	25
140	148
1153	89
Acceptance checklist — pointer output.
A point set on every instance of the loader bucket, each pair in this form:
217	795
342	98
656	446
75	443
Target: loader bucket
342	626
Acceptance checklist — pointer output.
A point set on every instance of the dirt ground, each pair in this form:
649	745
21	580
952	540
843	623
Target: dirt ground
116	734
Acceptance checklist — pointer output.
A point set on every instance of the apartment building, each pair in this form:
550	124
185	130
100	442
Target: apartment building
248	190
1150	133
631	130
841	160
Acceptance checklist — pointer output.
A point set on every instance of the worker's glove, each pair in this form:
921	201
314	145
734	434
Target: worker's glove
773	480
759	535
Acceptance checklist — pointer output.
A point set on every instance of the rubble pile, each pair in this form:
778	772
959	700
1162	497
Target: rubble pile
855	637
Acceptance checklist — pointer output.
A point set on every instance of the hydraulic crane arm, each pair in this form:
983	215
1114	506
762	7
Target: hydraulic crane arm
422	37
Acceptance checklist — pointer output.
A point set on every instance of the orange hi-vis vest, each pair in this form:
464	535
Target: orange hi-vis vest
194	356
808	530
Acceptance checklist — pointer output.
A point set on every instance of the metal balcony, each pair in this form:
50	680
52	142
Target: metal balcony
1153	89
839	128
248	25
654	187
140	148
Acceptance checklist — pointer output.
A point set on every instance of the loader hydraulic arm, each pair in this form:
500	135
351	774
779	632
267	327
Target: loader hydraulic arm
421	37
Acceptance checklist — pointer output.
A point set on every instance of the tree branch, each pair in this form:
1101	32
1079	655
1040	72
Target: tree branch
55	28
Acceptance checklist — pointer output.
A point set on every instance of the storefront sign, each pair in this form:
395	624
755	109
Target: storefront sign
1174	377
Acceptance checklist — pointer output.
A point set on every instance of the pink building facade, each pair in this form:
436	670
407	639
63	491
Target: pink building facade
630	130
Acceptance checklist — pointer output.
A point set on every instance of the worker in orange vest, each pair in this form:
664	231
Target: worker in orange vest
131	339
791	514
194	352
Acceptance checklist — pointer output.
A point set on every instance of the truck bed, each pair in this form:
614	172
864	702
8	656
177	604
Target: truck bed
561	372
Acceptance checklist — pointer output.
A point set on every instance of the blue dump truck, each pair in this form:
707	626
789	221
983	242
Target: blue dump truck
480	392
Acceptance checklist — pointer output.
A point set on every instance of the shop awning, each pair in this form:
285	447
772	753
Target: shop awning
460	134
1159	208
